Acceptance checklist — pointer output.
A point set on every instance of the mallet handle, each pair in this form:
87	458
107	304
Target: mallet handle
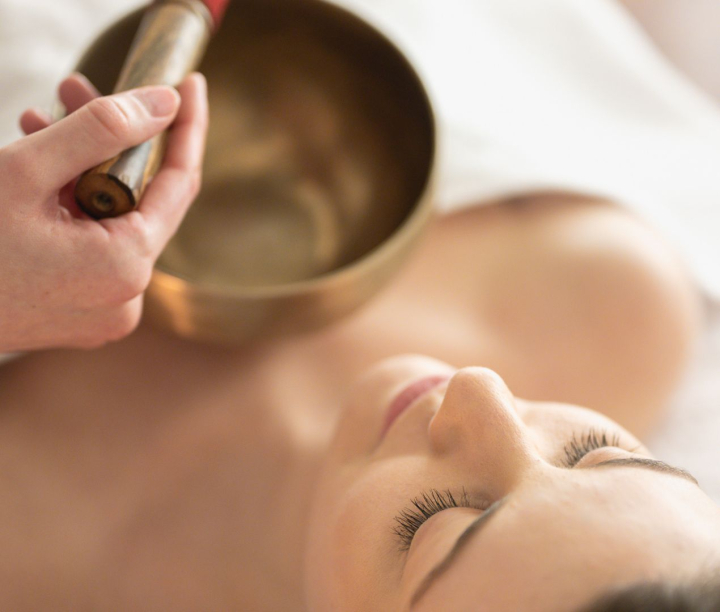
169	44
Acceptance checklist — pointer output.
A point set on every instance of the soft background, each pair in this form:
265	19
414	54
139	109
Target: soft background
531	94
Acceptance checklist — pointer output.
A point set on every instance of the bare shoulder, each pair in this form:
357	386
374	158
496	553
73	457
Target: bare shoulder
586	301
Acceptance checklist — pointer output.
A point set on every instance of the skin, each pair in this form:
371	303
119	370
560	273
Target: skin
156	473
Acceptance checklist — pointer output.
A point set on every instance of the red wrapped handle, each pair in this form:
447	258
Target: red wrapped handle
217	10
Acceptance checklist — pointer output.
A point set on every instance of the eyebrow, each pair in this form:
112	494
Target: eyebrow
650	464
482	520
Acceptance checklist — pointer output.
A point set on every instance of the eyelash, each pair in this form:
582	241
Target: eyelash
429	503
433	501
593	439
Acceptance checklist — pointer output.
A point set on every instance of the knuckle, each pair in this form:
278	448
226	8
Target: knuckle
139	283
111	116
141	239
128	276
131	283
119	286
123	321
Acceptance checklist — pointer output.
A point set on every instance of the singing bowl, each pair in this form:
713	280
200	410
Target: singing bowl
318	172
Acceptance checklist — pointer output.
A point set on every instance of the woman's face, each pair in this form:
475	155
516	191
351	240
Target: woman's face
473	499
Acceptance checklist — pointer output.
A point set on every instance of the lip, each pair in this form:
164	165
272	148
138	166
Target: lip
409	395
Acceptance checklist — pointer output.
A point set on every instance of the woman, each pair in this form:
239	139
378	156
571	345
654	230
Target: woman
160	474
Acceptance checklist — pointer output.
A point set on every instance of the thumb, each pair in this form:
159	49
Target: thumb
100	130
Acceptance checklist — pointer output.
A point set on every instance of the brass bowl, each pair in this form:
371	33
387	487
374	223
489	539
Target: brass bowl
317	175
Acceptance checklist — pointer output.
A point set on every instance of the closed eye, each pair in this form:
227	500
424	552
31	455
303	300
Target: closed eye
422	508
591	440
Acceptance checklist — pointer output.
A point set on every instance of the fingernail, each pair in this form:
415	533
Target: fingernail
159	101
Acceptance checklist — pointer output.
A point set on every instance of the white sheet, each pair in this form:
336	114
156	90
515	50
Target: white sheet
531	94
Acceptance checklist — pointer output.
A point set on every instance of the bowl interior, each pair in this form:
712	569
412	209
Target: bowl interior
320	145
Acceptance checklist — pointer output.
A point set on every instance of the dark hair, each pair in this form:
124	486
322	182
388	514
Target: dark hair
660	597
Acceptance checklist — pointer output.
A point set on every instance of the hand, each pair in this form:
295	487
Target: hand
69	280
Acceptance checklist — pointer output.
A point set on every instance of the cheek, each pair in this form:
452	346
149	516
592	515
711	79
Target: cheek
319	582
352	561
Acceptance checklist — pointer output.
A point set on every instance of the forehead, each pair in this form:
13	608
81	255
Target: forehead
553	545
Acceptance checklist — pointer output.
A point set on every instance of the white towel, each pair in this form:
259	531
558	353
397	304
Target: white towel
565	94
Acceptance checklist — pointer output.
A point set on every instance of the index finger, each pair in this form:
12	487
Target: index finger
76	91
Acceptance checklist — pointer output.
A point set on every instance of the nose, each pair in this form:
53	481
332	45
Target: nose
478	425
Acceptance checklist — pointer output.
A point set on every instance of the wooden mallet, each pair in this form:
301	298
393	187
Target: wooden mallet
169	44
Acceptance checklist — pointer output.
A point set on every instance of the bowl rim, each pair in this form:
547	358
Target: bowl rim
401	235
